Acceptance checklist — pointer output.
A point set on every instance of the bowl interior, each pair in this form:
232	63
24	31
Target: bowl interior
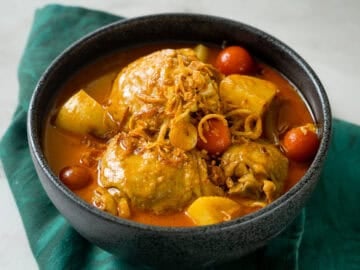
183	28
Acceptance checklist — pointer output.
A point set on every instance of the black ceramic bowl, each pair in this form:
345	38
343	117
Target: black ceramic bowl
181	247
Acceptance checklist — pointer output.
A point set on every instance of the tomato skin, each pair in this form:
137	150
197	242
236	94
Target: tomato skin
218	137
301	143
234	60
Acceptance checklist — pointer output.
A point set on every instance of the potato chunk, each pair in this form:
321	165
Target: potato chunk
82	114
202	52
212	209
245	92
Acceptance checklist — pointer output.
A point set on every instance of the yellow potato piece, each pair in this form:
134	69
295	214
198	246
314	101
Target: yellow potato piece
82	114
246	92
212	209
202	52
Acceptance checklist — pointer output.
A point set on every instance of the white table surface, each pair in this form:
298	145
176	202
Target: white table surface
325	33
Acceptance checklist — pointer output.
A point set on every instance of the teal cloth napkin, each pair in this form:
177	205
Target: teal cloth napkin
326	235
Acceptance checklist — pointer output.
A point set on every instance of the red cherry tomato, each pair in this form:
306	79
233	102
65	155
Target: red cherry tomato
75	177
301	143
217	135
234	60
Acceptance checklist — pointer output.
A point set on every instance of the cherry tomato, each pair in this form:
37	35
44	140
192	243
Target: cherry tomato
217	136
75	177
301	143
234	59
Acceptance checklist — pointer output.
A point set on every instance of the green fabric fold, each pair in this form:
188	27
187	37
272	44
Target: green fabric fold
326	235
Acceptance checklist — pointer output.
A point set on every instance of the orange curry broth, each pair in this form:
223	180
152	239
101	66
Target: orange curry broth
63	148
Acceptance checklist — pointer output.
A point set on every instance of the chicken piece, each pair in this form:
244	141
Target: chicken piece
151	182
255	170
164	84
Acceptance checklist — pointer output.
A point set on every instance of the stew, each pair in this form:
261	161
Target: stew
179	134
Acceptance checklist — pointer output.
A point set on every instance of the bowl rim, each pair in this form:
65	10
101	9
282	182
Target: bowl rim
39	157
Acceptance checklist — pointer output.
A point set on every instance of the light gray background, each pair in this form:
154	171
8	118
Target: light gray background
325	33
